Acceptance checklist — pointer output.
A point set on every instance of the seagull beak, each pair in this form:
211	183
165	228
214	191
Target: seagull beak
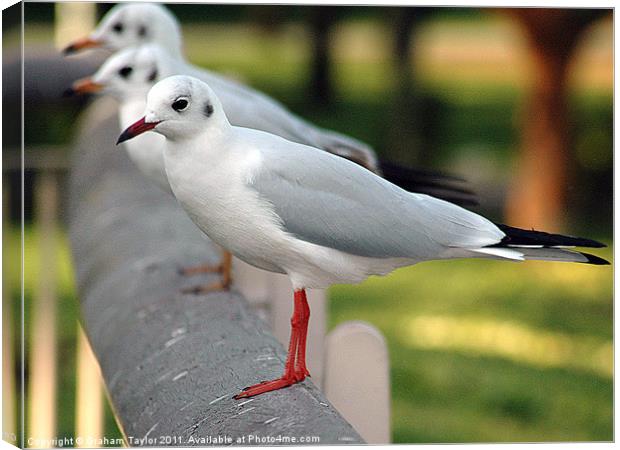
136	129
81	44
83	86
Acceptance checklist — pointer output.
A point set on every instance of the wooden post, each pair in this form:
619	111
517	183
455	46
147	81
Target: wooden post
74	20
89	412
41	399
357	379
172	361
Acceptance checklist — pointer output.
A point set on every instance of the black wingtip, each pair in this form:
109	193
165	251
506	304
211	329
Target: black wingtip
443	186
597	261
398	170
518	236
69	50
69	92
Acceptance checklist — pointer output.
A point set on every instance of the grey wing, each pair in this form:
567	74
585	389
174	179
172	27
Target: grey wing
249	108
334	203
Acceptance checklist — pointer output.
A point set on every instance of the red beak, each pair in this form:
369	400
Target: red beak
136	129
81	44
83	86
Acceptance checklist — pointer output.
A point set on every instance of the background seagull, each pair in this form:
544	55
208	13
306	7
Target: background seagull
127	76
320	219
128	25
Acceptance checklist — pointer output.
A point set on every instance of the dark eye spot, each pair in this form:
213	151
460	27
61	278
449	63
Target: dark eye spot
153	75
180	104
118	27
208	109
142	31
125	71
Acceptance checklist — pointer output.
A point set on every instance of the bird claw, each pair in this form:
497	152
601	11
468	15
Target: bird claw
218	286
202	268
267	386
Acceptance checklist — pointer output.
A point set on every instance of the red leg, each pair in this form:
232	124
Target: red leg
300	364
291	374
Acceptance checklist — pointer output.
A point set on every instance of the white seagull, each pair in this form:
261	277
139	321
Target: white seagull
129	25
320	219
127	76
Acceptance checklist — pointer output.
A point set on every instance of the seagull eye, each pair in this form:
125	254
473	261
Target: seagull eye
153	75
180	104
142	31
125	71
118	28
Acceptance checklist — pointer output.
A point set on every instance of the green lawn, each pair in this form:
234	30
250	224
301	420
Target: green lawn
491	351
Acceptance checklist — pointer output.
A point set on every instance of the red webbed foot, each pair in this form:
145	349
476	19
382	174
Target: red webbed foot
267	386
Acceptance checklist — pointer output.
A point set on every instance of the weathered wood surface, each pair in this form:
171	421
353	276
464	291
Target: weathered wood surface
172	361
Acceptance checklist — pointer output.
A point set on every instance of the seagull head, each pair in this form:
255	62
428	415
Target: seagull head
133	24
180	108
127	74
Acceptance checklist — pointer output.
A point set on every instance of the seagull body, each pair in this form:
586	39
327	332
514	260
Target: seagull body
130	25
293	209
320	219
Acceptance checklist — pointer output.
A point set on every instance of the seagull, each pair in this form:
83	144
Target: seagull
127	76
318	218
130	25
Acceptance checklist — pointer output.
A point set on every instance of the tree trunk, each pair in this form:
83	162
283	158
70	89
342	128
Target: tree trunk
321	20
537	196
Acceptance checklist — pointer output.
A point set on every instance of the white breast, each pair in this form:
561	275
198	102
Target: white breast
213	192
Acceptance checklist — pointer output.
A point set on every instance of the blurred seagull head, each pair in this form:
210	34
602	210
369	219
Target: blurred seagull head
129	73
132	24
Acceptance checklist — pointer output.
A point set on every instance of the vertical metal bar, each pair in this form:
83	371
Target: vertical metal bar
89	405
41	399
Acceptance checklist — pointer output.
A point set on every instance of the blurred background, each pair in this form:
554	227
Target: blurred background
517	101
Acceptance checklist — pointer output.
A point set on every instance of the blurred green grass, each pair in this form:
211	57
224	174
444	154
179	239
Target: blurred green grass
454	394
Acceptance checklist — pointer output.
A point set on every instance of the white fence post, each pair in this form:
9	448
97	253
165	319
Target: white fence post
357	379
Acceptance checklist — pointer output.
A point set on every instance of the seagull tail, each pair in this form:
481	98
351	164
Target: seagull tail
522	245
